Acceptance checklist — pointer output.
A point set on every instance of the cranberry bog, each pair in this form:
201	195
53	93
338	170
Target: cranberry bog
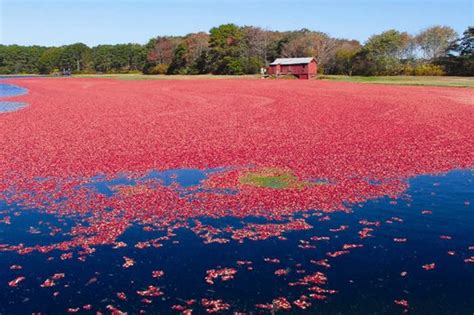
222	196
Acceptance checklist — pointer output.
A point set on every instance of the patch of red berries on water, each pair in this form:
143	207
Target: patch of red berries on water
310	145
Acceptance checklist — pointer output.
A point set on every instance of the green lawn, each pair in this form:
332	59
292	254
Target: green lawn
405	80
274	178
397	80
164	77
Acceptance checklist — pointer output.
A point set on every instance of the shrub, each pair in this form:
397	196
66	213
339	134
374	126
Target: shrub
159	69
458	65
253	65
408	69
231	65
425	69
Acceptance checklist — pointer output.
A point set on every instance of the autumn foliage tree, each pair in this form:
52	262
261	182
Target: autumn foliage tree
160	54
190	55
307	43
233	49
434	41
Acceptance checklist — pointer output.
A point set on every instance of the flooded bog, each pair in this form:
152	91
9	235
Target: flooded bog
411	254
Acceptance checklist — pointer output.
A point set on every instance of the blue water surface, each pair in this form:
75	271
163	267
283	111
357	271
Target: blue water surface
368	280
184	179
11	106
8	90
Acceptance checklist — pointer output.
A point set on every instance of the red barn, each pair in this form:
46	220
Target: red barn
303	68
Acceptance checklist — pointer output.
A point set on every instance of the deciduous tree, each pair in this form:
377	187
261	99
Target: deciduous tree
435	40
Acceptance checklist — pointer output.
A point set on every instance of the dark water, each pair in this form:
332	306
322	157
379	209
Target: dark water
8	90
184	178
368	279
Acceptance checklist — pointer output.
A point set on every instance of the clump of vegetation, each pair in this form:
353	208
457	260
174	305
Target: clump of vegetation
127	190
159	69
423	70
285	76
273	178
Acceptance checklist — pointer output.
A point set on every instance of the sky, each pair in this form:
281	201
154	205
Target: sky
61	22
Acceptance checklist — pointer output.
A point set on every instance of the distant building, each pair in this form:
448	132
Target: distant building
303	68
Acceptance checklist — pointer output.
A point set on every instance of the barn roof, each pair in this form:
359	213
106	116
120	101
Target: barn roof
292	61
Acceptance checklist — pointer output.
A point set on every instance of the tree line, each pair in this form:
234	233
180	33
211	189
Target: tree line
232	49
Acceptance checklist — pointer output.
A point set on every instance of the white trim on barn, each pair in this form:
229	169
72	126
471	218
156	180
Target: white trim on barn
291	61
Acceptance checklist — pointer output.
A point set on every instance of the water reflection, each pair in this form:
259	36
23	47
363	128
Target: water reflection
368	279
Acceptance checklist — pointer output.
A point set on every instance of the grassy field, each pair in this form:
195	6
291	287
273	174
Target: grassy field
406	80
396	80
165	77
